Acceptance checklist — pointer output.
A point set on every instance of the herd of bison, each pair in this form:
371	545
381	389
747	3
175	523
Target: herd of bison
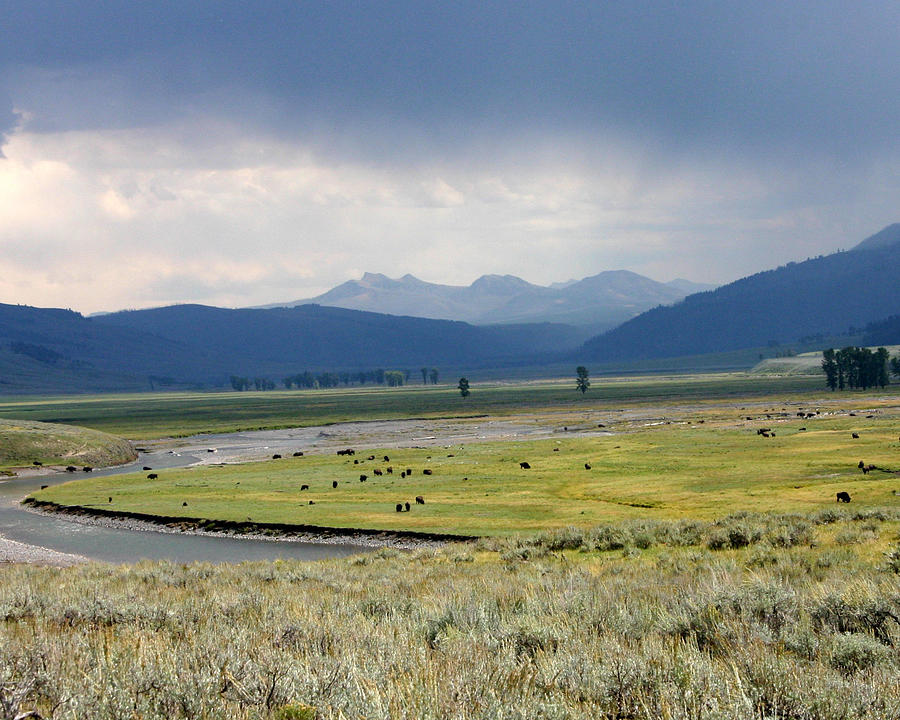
842	497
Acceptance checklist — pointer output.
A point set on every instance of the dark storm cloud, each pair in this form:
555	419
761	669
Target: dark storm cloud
797	78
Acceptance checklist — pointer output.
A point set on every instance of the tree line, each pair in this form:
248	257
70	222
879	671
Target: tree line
309	380
858	367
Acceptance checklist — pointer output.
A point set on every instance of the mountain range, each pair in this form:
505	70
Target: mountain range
601	301
51	350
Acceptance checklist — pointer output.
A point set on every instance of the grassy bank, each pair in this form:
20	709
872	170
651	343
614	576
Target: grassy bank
749	617
693	463
149	415
23	443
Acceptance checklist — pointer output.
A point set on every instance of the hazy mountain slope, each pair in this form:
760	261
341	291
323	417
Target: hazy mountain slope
311	336
824	295
888	237
604	300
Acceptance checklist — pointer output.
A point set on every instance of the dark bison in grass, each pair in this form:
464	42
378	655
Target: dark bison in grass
843	496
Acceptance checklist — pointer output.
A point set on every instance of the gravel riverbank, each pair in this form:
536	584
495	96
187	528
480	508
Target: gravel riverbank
12	551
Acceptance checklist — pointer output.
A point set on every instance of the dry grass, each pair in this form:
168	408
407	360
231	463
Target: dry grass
791	625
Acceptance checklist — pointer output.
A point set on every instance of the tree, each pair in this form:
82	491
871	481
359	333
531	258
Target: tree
895	366
581	382
433	374
829	366
464	387
424	372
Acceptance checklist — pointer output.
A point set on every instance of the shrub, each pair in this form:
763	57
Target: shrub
852	652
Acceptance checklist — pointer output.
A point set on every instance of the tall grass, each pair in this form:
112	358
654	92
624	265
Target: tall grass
631	621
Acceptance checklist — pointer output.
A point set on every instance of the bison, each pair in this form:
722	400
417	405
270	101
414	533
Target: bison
399	507
44	487
420	500
389	470
71	468
363	478
184	504
304	487
386	458
855	436
426	471
276	456
334	483
378	472
348	451
406	505
298	454
525	466
843	496
147	467
87	468
152	476
587	466
37	463
408	472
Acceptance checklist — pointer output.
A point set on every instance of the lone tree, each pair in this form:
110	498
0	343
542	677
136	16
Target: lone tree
433	374
582	382
464	387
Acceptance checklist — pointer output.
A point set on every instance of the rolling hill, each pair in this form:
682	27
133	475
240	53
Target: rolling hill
47	350
822	296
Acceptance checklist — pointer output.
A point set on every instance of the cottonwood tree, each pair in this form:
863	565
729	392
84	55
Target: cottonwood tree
581	381
463	387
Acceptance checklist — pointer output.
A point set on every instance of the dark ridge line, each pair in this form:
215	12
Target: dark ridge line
241	527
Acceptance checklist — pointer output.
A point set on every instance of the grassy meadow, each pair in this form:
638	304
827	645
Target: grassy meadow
700	462
23	442
747	617
151	415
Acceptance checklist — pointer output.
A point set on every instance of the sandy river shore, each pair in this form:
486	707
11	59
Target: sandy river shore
12	551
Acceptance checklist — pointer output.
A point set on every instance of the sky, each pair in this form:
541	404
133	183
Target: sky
235	153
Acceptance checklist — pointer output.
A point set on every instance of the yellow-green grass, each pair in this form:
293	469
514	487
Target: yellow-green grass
660	471
150	415
24	442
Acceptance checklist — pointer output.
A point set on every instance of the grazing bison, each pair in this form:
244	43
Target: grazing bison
399	507
71	468
152	476
334	483
763	431
276	456
378	472
390	470
44	487
37	463
371	457
356	462
587	466
184	504
426	471
525	466
312	502
843	496
109	499
406	505
420	500
408	472
855	436
298	454
363	478
348	451
304	487
386	458
555	449
861	464
802	430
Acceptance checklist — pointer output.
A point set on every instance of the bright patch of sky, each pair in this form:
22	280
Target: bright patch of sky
239	154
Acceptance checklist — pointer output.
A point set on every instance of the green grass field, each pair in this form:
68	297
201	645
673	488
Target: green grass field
703	464
151	415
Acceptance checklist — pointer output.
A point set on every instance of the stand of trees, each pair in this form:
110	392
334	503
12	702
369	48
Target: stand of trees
856	367
308	380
